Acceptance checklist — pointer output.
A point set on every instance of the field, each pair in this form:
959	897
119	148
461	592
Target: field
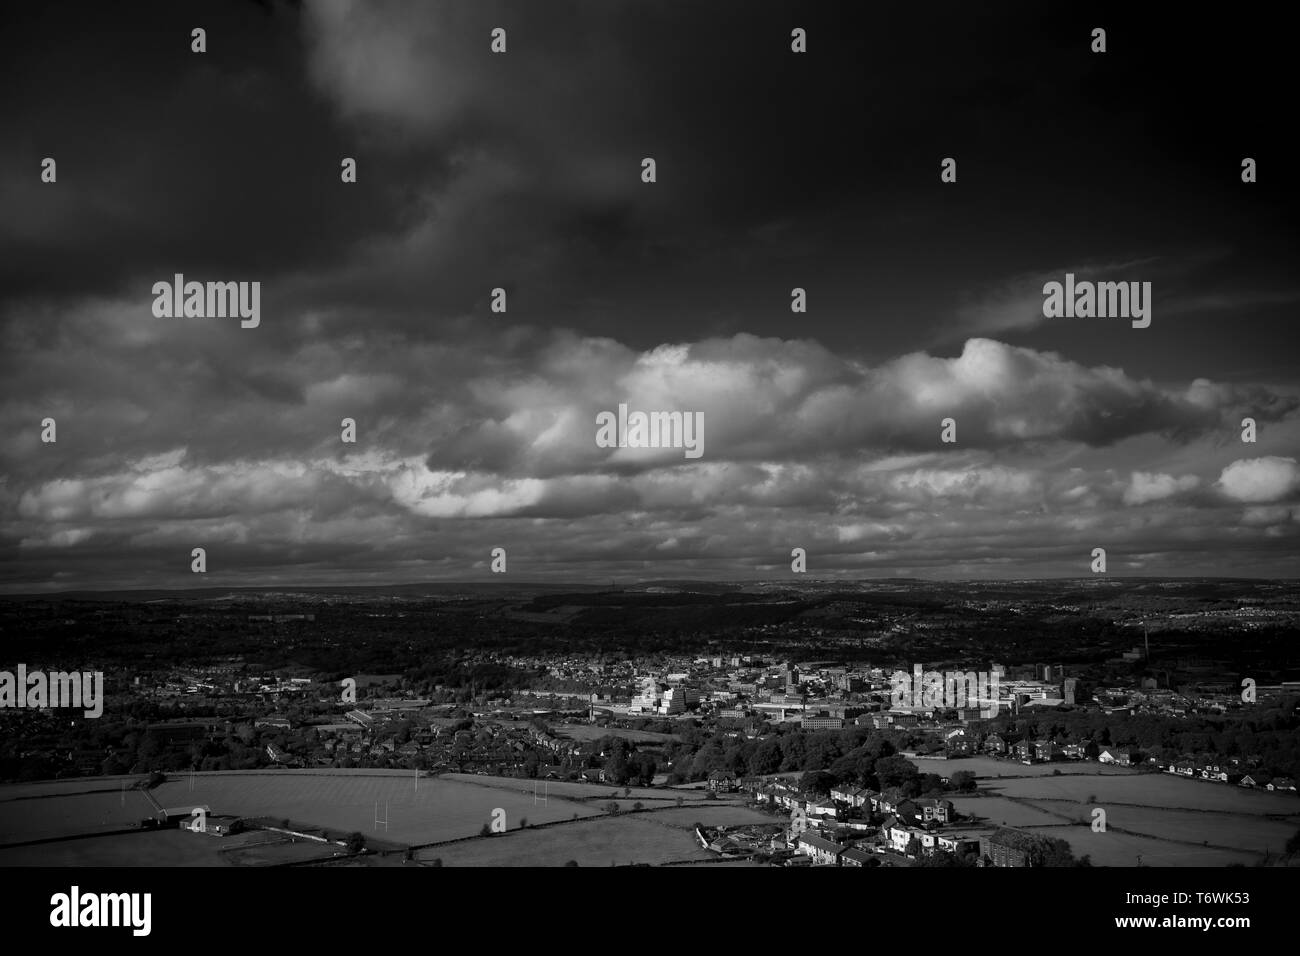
1122	849
999	811
600	792
1166	820
34	818
1149	790
989	767
170	847
438	809
716	815
452	807
603	841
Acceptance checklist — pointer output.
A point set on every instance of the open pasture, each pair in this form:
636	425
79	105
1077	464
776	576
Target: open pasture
596	842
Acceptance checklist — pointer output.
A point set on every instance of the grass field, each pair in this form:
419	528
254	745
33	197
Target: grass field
596	842
148	848
1237	831
988	767
715	815
74	813
1150	790
998	811
439	809
1122	849
261	852
578	791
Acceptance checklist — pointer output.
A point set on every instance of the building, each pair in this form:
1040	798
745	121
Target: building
1000	853
853	796
958	843
1047	750
656	698
822	721
1120	756
935	810
854	856
822	851
721	781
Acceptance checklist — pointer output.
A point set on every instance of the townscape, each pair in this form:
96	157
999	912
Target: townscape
808	731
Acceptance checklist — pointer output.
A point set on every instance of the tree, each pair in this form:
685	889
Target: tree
766	757
1293	844
356	842
895	771
532	765
571	863
485	830
523	823
946	858
818	782
638	806
963	780
611	808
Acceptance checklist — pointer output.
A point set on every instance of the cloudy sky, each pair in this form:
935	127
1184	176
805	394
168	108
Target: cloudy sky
522	170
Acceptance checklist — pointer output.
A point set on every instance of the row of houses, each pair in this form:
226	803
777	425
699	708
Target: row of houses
925	812
1226	773
1235	770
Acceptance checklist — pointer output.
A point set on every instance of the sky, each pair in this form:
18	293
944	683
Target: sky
522	170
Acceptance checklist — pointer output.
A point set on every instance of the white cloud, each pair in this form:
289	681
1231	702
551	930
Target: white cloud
1146	486
1260	480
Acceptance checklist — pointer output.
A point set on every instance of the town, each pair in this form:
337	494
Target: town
847	766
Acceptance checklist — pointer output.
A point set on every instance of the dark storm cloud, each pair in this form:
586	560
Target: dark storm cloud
476	170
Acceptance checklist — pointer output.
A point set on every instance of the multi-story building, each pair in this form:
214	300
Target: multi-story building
1000	853
822	721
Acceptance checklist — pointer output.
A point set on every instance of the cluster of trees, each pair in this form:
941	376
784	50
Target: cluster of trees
857	756
848	754
1039	850
1270	732
624	764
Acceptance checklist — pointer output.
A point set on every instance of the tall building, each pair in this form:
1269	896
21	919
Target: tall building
1070	688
